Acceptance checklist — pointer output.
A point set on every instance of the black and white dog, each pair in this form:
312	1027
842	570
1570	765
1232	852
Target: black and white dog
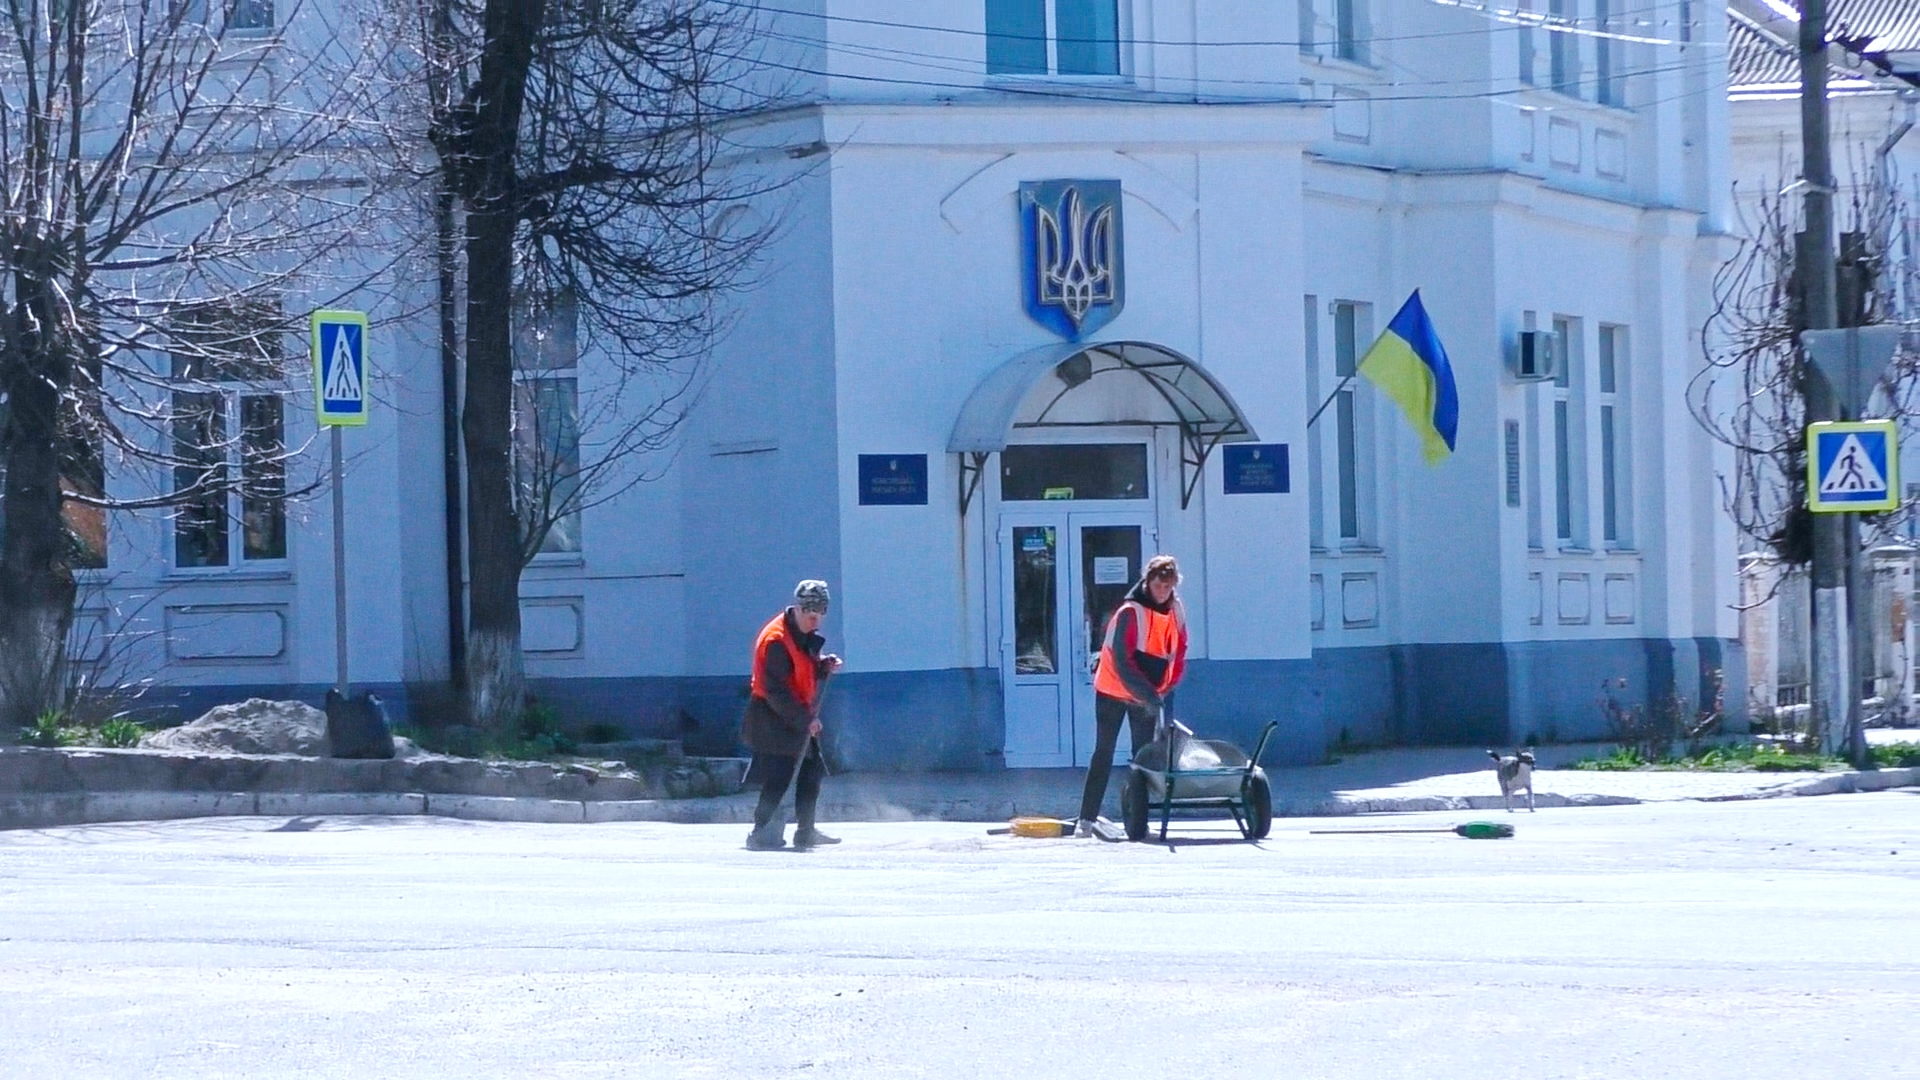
1515	772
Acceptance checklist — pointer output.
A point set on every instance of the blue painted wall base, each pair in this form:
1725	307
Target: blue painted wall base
1490	694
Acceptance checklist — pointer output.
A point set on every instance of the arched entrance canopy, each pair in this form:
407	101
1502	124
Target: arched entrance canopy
1182	395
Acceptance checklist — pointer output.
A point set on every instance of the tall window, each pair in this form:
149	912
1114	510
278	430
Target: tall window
1350	30
1316	488
546	420
83	473
1685	16
1566	435
1613	455
1053	37
1349	332
229	436
1305	19
1532	475
250	14
240	14
1524	34
1563	49
1606	52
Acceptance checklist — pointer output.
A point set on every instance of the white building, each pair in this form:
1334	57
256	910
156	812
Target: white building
978	472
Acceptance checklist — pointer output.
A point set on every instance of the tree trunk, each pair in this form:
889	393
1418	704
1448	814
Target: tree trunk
36	579
496	671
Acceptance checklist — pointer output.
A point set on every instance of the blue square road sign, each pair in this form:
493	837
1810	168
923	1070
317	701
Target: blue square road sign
1853	466
340	367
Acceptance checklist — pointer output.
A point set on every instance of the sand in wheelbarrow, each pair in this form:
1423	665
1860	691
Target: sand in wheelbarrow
1194	754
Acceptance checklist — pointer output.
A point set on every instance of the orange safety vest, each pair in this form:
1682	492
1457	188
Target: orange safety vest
806	677
1161	635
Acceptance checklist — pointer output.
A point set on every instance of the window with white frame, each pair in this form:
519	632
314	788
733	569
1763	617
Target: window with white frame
546	420
1607	88
1523	34
1351	328
1350	31
1316	490
82	475
1530	478
229	441
1053	37
1569	444
250	14
1615	459
1563	48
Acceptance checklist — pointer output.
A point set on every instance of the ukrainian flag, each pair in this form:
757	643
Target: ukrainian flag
1410	365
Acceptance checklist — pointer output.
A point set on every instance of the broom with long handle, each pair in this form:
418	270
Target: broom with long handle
806	747
1472	830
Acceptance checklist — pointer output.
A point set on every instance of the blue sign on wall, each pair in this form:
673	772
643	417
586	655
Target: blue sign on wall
893	479
1255	468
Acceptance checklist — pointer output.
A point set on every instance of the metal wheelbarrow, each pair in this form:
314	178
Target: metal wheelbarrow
1179	772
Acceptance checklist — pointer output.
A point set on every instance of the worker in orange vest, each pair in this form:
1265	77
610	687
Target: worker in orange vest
1141	661
782	724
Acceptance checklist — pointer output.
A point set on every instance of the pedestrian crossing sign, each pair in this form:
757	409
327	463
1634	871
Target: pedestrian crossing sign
340	367
1852	466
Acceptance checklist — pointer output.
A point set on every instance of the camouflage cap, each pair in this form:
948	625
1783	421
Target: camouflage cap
811	595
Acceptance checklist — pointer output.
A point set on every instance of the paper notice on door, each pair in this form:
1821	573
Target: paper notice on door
1111	570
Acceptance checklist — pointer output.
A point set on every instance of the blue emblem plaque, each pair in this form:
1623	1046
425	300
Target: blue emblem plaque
1071	254
1255	469
893	479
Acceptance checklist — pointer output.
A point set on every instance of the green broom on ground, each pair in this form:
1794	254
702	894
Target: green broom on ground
1472	830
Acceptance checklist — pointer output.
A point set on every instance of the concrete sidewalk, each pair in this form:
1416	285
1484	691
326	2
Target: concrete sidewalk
1382	781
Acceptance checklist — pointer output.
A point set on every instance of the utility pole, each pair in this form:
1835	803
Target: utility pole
1834	695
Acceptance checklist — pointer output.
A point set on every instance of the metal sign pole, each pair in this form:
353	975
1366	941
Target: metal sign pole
1852	360
340	370
340	680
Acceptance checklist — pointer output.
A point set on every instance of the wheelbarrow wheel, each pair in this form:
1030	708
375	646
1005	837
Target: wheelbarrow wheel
1133	806
1259	808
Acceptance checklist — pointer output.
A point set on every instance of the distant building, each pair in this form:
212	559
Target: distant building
1053	273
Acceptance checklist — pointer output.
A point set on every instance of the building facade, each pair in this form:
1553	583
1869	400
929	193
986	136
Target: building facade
1059	284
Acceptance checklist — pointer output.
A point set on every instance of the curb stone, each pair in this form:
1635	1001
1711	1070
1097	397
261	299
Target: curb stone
506	808
51	810
339	803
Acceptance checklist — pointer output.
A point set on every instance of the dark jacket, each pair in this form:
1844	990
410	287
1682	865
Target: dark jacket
777	723
1140	672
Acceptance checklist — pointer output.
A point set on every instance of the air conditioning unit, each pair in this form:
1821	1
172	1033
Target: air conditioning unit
1536	359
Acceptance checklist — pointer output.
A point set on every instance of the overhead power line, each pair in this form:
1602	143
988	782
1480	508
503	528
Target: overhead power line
1514	17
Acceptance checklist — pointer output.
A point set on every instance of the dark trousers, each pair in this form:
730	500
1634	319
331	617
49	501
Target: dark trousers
775	772
1107	713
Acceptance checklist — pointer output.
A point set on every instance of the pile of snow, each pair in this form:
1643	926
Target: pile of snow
253	726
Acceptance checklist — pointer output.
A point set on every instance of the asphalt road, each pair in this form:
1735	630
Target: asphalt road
1750	940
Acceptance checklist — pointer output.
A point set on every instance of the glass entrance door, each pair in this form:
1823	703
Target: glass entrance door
1033	664
1063	573
1108	557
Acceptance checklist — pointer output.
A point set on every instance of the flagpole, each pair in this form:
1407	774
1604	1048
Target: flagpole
1336	393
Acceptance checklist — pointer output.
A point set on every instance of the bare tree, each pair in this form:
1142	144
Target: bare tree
173	173
582	139
1751	392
